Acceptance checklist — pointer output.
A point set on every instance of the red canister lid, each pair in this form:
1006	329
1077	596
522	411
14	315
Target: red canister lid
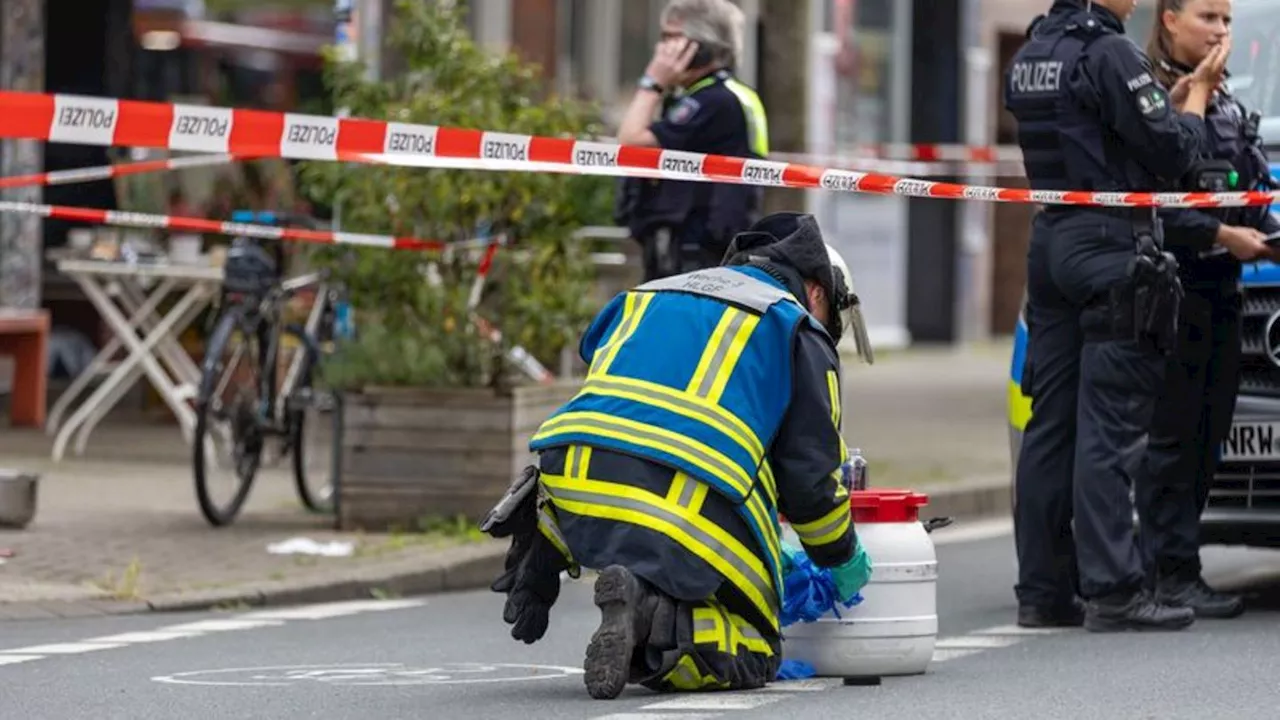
881	505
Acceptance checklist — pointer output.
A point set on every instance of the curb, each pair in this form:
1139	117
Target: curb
467	567
463	568
975	499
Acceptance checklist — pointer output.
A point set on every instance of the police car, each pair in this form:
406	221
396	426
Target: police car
1244	500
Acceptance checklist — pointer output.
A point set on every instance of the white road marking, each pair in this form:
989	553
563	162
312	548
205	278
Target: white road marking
244	621
143	637
1019	630
810	685
977	642
15	659
370	674
63	648
744	701
205	626
331	610
945	655
657	716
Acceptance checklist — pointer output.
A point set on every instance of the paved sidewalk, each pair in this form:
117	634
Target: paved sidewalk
118	529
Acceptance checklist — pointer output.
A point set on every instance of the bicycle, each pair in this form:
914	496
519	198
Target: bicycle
251	322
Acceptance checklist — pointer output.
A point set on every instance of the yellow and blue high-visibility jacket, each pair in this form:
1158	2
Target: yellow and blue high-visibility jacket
694	372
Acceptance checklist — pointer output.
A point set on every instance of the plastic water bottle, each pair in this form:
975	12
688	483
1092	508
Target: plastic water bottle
854	471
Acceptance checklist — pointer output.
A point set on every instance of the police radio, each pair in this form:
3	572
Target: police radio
1214	176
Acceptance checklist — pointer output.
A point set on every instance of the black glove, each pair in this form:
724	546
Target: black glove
532	567
535	588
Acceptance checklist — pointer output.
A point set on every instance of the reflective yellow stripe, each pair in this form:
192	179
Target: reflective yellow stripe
722	353
623	503
687	492
1019	406
826	529
632	311
712	461
686	676
833	394
679	402
733	630
550	529
710	628
757	120
770	484
764	520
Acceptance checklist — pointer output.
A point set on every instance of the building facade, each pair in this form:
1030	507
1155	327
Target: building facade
876	71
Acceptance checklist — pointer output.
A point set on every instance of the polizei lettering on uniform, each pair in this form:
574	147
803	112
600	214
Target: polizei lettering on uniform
415	143
1036	77
303	134
504	150
1139	82
82	117
202	126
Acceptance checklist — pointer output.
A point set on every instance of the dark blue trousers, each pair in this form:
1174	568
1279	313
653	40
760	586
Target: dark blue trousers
1191	421
1093	396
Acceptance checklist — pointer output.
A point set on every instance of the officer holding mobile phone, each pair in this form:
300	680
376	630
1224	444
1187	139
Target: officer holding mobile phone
1199	394
699	106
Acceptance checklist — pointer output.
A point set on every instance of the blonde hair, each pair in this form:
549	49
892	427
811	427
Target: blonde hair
715	24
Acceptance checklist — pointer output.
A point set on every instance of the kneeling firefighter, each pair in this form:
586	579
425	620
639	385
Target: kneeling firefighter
712	404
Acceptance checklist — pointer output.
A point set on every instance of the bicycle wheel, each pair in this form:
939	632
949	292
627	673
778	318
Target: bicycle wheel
228	434
313	431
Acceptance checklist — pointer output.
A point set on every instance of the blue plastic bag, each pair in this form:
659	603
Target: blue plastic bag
809	592
795	670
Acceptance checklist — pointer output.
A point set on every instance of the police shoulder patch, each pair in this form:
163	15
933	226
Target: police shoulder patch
1153	102
684	111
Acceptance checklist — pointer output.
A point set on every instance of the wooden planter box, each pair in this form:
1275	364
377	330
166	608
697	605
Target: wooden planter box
410	453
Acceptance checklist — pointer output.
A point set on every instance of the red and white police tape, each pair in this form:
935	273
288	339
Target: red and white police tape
110	122
172	222
107	172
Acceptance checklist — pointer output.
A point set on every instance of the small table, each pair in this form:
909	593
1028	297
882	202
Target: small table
151	340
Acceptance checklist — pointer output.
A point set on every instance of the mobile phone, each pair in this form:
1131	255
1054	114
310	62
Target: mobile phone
702	57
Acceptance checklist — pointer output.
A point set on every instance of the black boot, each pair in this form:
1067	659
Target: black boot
626	608
1036	616
1134	610
1199	597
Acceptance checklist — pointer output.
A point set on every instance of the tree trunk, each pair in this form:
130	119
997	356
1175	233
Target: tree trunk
784	85
21	236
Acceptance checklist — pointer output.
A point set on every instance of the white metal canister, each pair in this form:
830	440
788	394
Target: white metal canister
894	629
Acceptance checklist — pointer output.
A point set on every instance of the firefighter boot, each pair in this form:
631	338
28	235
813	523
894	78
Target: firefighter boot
626	610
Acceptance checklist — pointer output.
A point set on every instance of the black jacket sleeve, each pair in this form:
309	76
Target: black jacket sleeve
1116	79
807	453
1189	228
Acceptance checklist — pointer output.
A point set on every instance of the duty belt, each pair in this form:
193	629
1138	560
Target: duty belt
1135	215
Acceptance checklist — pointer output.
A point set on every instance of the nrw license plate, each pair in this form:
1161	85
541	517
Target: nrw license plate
1252	441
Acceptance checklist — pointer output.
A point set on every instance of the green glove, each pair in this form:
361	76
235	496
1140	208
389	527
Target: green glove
789	553
853	575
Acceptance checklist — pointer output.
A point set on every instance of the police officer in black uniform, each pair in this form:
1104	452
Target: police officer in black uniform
1102	307
686	225
1194	414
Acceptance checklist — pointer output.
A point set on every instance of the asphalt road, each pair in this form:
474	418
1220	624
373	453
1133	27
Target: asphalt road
450	657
